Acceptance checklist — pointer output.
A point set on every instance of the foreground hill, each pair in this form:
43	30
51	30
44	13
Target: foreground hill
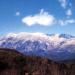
15	63
56	47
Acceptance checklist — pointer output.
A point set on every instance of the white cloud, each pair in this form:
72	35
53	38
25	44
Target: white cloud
67	22
18	13
63	3
43	18
69	12
66	5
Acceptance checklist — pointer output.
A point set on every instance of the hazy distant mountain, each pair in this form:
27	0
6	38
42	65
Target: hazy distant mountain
52	46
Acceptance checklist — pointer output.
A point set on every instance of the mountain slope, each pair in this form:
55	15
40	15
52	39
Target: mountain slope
56	47
14	63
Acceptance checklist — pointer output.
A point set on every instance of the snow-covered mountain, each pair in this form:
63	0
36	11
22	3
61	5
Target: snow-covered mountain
52	46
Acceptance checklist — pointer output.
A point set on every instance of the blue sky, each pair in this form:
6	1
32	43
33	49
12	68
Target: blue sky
46	16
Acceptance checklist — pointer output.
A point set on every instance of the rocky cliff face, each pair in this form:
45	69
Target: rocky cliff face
14	63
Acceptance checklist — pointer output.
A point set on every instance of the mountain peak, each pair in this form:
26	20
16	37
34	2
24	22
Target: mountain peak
67	36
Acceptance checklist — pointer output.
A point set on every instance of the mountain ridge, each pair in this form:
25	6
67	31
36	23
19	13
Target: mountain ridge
39	44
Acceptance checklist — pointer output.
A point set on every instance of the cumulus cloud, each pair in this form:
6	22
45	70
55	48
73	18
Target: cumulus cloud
43	18
67	22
